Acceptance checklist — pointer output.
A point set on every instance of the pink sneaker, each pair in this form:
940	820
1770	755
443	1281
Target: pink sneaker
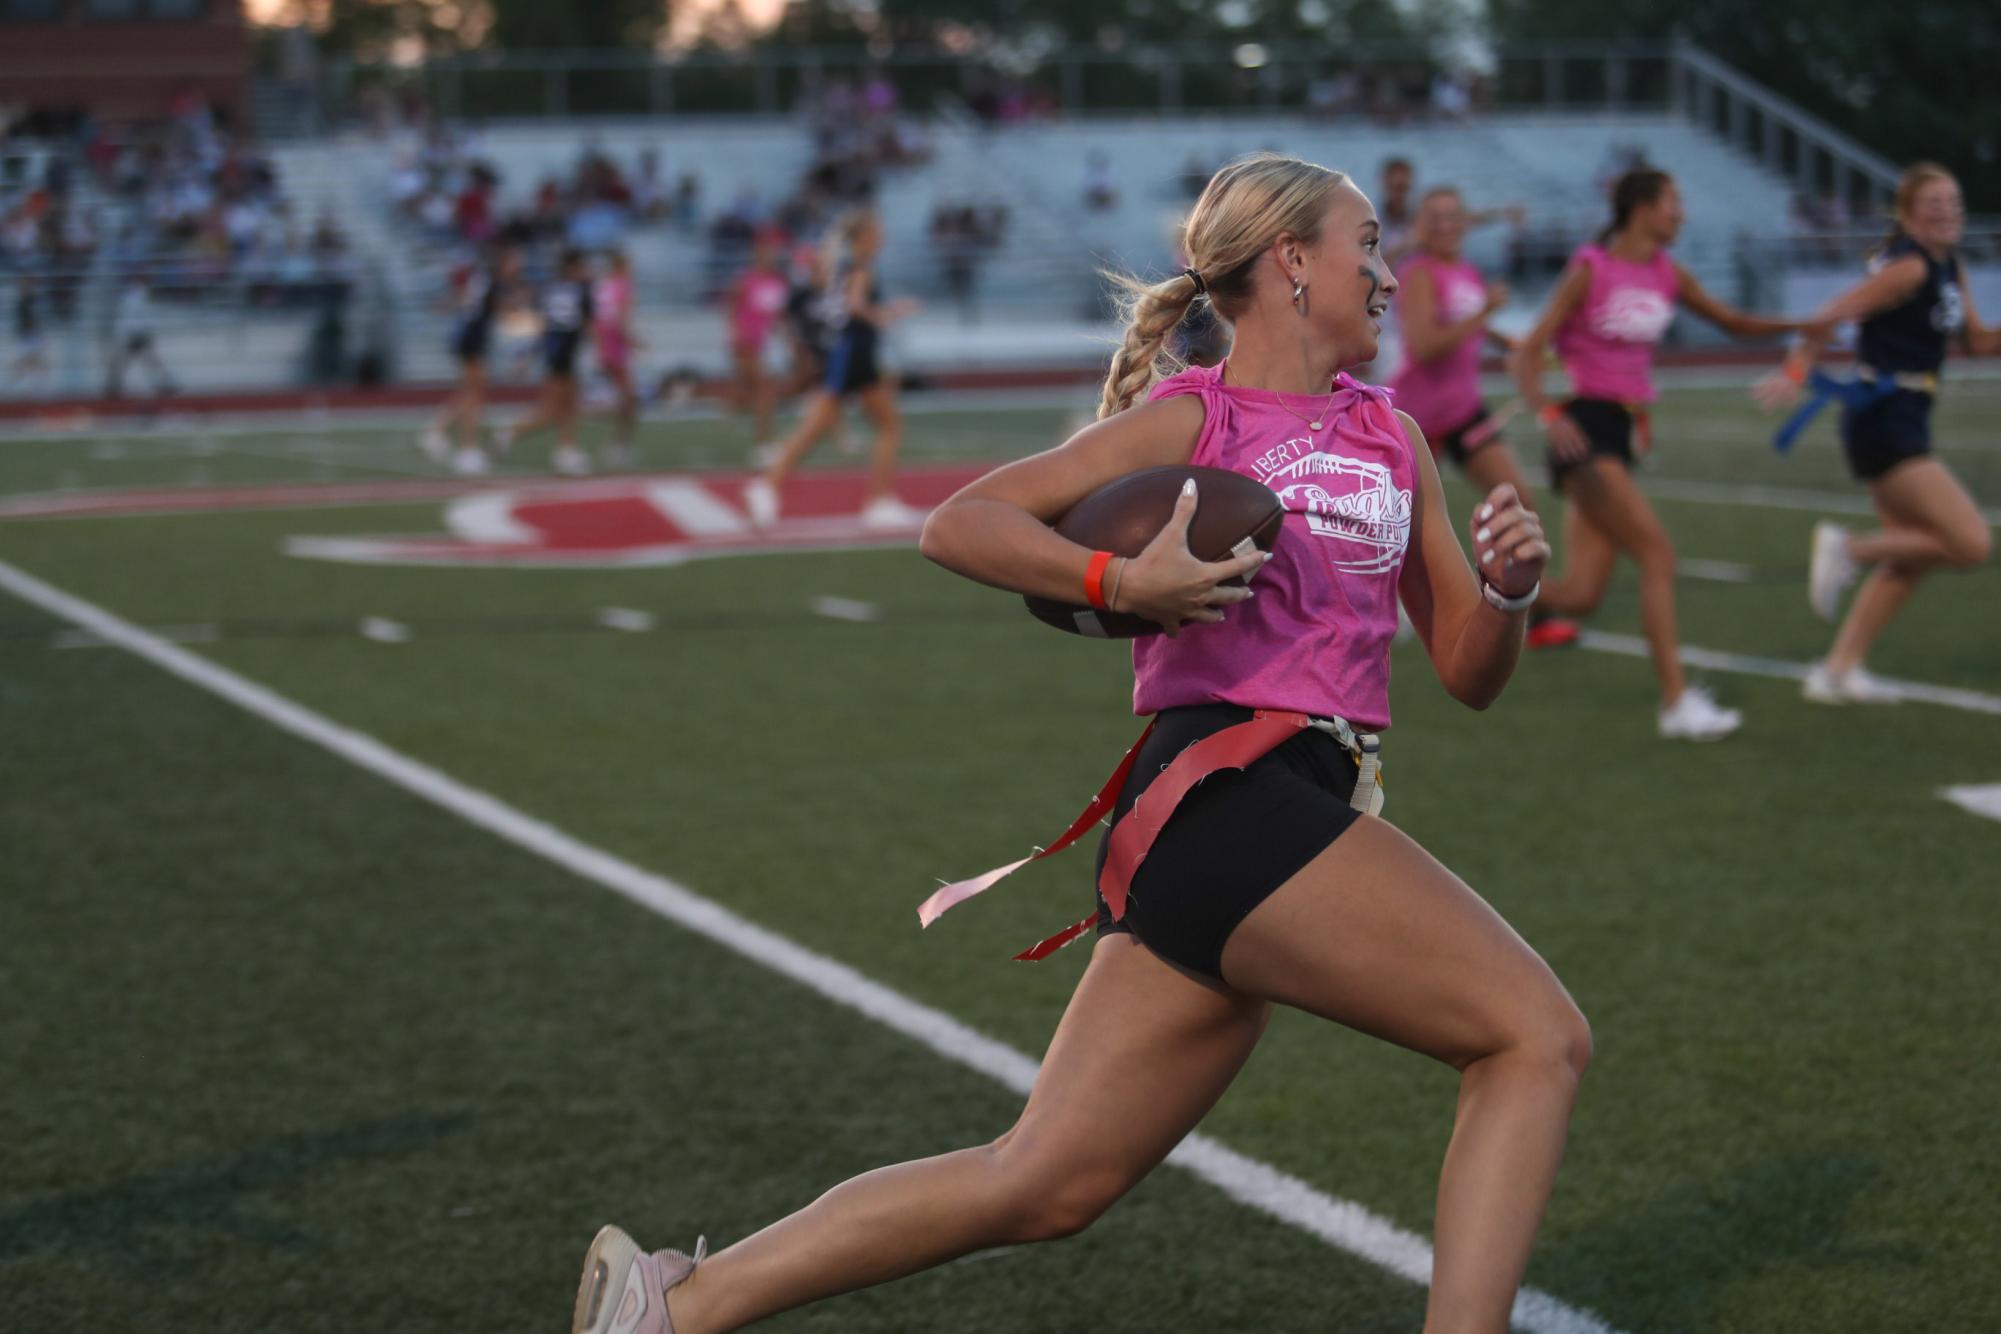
624	1289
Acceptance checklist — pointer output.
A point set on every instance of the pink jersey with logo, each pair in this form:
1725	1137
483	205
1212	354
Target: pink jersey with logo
611	311
1607	344
1316	638
1443	395
759	301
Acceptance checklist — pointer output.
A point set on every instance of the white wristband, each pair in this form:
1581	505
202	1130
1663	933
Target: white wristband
1500	601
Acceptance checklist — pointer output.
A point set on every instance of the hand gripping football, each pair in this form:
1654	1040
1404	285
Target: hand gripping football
1125	515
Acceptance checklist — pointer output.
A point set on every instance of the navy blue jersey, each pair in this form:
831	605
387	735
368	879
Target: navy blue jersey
477	298
854	329
566	306
802	307
1912	336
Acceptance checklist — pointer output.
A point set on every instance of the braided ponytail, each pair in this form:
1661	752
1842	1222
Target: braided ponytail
1152	313
1243	209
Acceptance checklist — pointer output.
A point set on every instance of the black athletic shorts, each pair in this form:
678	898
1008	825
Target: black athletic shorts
852	366
1609	428
1234	839
472	340
559	353
1453	443
1896	427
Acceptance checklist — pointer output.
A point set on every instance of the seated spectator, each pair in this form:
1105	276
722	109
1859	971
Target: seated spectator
1451	99
1100	193
649	188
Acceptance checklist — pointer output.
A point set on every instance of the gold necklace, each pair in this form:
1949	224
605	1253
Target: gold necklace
1316	423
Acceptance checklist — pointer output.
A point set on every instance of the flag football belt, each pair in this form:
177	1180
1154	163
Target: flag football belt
1643	426
1867	388
1235	747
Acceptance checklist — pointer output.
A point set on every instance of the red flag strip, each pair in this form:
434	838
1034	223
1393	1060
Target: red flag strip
1234	747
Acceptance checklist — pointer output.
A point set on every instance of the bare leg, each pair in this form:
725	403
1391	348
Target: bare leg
163	383
1375	934
566	412
1142	1053
1606	496
879	402
547	412
626	416
1929	521
1588	557
472	405
822	410
761	398
1491	465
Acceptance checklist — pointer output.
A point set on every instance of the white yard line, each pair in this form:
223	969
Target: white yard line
173	634
1981	799
1718	571
1715	660
1770	497
1341	1223
626	618
846	609
384	631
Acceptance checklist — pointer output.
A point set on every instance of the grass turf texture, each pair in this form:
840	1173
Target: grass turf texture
295	1051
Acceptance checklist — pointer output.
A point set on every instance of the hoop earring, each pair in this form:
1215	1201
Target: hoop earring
1299	302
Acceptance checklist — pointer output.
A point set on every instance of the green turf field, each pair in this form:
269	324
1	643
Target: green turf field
289	1049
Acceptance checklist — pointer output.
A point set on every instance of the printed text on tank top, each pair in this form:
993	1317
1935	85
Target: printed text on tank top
1316	638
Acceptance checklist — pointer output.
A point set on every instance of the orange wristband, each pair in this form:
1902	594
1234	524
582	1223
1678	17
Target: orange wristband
1094	579
1550	412
1793	370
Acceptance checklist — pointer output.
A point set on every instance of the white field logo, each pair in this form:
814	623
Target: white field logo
1350	501
1633	315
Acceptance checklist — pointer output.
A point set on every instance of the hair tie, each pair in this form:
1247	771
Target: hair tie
1201	288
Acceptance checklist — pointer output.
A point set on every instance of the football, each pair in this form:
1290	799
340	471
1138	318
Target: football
1125	515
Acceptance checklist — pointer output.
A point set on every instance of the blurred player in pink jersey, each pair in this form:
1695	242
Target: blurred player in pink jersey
1443	309
611	332
1606	317
756	303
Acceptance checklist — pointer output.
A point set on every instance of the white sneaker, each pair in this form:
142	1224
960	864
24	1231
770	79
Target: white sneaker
470	462
624	1289
1854	686
1830	569
761	499
1696	716
436	446
570	462
887	512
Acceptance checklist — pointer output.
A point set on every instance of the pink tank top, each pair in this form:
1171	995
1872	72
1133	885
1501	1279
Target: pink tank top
1443	395
611	309
1316	638
1607	344
760	299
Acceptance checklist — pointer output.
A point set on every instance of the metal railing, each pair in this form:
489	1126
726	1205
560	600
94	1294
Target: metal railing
1822	161
1383	81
